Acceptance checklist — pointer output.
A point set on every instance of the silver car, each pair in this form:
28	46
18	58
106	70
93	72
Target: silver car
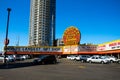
97	59
110	58
8	58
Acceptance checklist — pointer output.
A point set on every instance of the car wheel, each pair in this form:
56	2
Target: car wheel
111	61
90	61
82	61
102	62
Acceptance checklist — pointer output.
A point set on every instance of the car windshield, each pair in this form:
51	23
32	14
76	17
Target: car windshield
42	56
102	57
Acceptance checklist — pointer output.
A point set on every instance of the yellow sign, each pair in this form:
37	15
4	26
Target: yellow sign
71	36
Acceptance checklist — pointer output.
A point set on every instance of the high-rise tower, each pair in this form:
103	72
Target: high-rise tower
42	22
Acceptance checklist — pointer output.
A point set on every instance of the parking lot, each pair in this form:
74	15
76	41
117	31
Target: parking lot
64	70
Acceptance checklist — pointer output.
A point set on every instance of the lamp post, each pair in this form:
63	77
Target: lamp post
6	37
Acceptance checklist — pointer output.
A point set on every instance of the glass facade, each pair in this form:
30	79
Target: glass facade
42	22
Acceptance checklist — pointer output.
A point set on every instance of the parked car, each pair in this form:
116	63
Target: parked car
45	59
118	61
110	58
78	58
20	57
97	59
8	58
71	57
82	58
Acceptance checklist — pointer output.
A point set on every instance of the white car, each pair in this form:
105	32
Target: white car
71	57
8	58
78	58
110	58
118	61
97	59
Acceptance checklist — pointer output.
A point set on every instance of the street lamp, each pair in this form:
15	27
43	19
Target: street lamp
6	38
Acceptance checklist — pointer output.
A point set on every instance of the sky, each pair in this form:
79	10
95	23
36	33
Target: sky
97	20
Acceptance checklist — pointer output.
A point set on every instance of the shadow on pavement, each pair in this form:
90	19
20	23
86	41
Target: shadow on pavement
16	65
19	65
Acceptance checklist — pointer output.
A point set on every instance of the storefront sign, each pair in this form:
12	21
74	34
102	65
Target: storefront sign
109	46
34	49
71	36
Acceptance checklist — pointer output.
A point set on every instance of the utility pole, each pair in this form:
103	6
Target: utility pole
6	37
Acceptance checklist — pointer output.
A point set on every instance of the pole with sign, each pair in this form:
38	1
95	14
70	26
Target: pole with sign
6	42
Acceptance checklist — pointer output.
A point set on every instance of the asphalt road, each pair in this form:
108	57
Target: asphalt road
63	70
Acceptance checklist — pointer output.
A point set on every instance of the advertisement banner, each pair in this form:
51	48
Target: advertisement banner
33	49
109	45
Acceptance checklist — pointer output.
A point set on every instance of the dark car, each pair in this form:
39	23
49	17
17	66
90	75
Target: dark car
82	58
45	59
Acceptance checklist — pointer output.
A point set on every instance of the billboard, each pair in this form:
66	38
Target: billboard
71	36
71	49
109	45
33	49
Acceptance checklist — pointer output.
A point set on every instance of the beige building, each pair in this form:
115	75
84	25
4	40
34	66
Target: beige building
42	22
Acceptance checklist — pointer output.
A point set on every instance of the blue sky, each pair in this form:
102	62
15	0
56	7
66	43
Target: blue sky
97	20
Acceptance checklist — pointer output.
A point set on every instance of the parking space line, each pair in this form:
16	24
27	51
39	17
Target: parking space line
81	67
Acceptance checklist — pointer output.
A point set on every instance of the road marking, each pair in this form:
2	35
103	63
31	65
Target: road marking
81	67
